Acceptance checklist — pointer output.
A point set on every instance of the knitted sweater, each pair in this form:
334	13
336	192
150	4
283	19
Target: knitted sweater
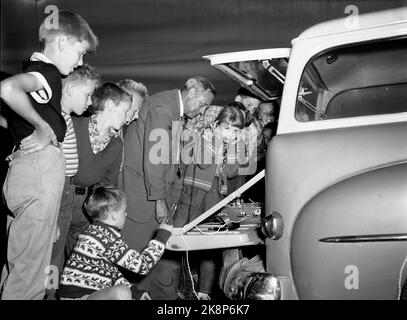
93	264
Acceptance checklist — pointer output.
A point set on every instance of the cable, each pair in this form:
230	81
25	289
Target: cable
222	226
189	269
213	232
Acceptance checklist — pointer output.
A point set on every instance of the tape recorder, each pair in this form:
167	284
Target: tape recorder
236	224
244	213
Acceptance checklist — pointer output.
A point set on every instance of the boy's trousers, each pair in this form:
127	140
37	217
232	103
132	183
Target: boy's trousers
32	190
71	221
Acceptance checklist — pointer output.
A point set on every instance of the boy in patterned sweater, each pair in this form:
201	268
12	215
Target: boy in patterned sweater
92	271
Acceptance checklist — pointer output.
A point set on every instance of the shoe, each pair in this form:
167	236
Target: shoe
203	296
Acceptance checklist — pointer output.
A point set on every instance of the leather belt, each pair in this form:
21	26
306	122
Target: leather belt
78	189
82	190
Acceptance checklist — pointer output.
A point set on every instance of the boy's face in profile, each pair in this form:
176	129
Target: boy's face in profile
81	93
118	114
71	53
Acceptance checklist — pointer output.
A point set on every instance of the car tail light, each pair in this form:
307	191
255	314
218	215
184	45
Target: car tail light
272	226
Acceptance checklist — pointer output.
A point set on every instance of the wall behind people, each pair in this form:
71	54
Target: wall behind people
161	42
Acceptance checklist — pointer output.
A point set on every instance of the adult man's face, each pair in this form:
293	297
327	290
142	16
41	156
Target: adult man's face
195	100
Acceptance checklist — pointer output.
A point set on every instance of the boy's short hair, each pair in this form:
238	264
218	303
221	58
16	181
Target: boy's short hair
108	91
232	115
83	74
133	87
103	200
200	83
71	25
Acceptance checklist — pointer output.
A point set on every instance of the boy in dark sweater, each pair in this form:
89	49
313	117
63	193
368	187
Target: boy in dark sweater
92	272
33	187
100	150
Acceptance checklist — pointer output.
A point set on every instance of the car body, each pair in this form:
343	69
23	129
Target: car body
336	173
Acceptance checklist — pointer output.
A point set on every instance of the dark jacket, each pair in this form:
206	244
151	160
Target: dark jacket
101	168
155	119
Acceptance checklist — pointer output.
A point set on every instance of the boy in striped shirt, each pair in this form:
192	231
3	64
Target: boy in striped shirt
77	89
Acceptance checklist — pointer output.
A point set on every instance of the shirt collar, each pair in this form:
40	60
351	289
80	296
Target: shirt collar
111	133
98	222
38	56
181	105
65	115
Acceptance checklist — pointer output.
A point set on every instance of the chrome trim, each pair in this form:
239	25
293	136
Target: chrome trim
366	238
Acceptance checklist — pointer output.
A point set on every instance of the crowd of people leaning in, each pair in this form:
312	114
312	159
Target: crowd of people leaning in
94	198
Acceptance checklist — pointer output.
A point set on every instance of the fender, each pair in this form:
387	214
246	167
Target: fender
371	209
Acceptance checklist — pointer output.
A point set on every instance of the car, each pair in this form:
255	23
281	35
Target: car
336	172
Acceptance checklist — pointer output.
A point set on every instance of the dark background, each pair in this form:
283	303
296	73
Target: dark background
161	42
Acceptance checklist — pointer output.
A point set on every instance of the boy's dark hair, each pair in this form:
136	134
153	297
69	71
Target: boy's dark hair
232	115
83	73
105	92
71	25
103	200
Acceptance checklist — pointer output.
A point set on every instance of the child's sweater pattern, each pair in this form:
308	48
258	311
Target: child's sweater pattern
94	262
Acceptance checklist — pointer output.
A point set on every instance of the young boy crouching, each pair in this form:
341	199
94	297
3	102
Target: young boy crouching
91	272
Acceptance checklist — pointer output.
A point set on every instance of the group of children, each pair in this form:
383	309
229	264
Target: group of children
61	164
57	161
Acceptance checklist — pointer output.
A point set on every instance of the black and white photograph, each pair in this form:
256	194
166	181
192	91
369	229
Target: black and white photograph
203	154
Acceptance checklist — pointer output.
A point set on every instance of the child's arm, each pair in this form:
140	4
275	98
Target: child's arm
112	174
13	91
141	263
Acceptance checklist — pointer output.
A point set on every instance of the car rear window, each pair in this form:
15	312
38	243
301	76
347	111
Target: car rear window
360	80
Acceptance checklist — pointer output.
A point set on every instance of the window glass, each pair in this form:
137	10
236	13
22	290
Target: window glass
359	80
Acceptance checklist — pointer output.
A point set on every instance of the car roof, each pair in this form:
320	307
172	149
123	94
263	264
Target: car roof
365	21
